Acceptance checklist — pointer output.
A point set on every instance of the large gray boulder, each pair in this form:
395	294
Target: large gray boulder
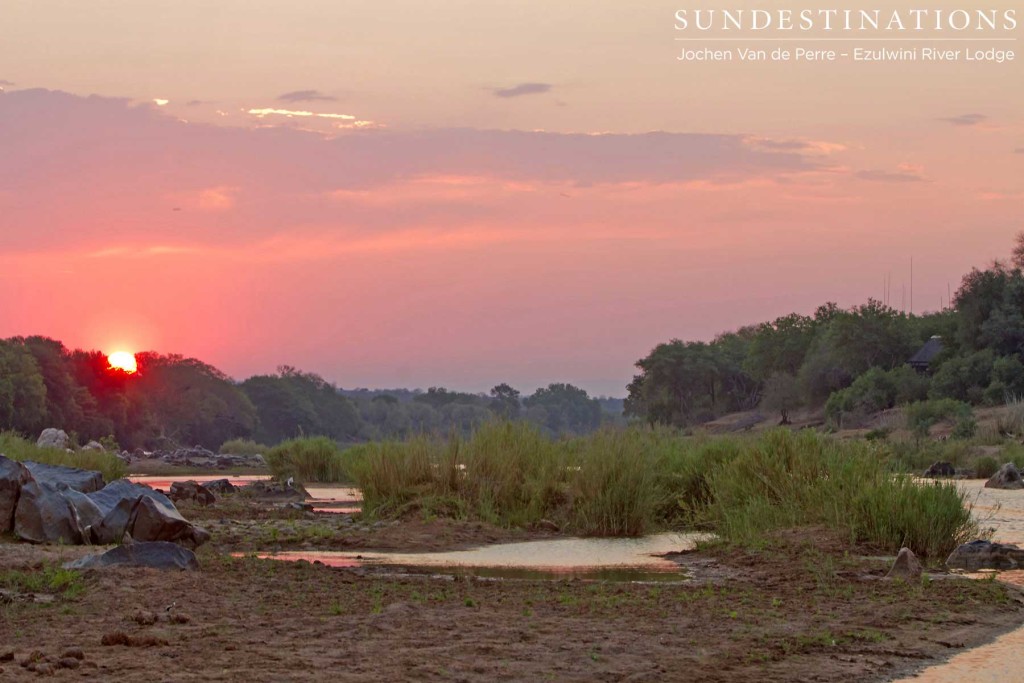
1008	477
13	475
45	515
157	555
85	481
986	555
144	513
154	520
53	438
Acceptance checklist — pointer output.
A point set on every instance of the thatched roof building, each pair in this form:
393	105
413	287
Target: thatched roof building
922	360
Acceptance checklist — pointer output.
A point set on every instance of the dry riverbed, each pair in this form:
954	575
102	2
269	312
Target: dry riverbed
805	608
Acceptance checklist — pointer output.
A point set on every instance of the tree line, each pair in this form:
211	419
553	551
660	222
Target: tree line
853	361
173	401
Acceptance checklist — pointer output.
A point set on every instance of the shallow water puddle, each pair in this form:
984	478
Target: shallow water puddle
164	482
597	559
327	499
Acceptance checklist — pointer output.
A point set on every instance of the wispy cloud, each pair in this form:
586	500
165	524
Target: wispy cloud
263	113
306	96
903	173
523	89
965	119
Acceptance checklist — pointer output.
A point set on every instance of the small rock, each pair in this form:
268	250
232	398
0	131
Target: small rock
68	663
7	656
74	653
940	469
906	566
45	669
115	638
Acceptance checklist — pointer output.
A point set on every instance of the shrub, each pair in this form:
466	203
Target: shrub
985	467
874	391
243	447
1011	423
923	415
307	459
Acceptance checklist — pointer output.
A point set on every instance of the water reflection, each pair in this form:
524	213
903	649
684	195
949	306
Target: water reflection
602	559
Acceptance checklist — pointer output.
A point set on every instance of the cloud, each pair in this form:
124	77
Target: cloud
904	173
1019	150
965	119
523	89
305	96
117	165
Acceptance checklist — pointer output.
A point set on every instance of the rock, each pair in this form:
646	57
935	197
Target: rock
297	505
93	446
13	475
1008	477
221	486
85	481
157	555
940	469
144	513
53	438
45	515
190	490
906	566
275	490
68	663
73	653
986	555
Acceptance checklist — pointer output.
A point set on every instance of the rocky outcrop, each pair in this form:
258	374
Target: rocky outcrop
85	481
93	446
206	459
156	555
45	515
53	438
1008	477
986	555
190	490
940	469
13	475
906	566
52	511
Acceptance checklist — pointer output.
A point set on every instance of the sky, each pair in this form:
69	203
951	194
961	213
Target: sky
398	193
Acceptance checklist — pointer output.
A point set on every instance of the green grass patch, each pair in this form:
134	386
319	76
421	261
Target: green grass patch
632	482
50	578
17	448
308	459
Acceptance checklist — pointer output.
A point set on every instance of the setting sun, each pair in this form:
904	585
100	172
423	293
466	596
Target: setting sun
124	361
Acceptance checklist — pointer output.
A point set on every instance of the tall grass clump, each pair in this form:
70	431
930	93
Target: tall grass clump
17	448
243	447
307	459
786	480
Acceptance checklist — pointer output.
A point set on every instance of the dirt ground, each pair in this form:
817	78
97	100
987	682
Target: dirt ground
801	611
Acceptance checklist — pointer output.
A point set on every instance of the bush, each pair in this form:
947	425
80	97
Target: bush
874	391
787	480
923	415
307	459
17	448
985	467
243	447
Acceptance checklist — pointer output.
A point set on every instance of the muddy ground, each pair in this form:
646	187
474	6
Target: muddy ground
804	609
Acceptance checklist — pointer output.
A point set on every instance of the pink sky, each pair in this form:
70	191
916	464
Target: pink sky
507	197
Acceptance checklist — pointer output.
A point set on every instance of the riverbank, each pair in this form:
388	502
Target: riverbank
802	608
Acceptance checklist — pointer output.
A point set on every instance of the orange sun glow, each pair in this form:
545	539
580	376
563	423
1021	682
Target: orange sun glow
123	360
